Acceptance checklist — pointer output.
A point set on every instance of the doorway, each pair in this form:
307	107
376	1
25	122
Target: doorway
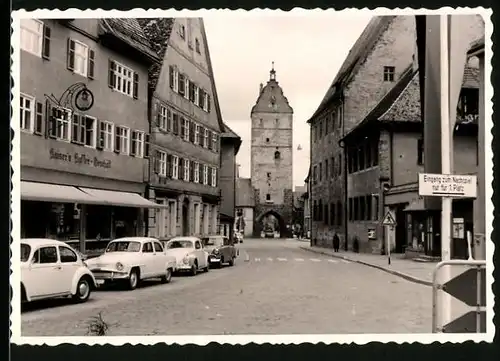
185	217
400	228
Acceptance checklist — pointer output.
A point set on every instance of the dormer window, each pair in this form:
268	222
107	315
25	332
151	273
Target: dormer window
182	31
197	46
389	73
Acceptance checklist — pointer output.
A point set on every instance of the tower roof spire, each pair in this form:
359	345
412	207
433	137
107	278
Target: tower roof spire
272	73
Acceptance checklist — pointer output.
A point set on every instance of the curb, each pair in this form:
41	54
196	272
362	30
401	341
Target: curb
388	270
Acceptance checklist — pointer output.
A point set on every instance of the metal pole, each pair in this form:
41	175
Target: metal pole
389	245
446	151
478	305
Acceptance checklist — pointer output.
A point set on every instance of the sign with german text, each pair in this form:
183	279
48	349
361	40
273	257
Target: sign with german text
447	185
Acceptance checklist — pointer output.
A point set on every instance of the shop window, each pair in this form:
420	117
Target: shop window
98	225
62	223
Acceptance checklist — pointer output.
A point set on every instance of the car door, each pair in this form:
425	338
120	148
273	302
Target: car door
200	254
69	265
226	252
159	258
148	259
44	273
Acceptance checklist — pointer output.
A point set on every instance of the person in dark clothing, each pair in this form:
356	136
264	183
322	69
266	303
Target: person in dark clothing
336	242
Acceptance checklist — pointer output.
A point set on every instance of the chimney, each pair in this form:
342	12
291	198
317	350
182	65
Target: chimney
261	88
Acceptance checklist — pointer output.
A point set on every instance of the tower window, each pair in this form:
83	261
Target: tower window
268	174
267	140
277	155
268	197
389	73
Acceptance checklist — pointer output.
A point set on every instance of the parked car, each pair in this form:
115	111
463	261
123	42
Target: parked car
131	260
189	254
50	269
220	250
268	233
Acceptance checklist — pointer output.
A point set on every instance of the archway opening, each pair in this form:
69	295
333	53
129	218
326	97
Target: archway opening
271	225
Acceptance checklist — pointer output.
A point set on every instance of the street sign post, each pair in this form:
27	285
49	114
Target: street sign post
447	185
391	222
468	287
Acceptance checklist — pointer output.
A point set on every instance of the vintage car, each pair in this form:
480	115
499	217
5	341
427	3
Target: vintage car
220	250
268	233
50	269
189	254
131	260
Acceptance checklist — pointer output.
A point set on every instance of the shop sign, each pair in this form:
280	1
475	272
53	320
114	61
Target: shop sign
79	158
447	185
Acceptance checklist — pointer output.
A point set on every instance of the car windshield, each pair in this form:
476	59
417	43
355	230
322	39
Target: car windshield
179	244
212	241
124	246
25	252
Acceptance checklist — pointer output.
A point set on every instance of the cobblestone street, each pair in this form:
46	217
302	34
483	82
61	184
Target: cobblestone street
275	287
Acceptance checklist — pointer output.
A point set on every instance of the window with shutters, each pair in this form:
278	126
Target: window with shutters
80	53
106	135
137	144
205	174
175	123
122	140
162	163
27	107
162	118
201	97
181	85
214	141
32	36
170	120
60	124
175	167
191	91
206	139
206	100
197	134
214	177
185	127
84	130
202	172
186	88
196	95
196	172
192	128
186	169
124	79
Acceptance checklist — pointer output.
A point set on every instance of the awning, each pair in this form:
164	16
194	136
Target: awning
123	199
45	192
416	205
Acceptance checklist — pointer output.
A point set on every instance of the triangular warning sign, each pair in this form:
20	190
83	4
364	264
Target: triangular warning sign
389	220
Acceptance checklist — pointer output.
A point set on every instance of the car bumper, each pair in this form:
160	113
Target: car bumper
101	276
214	258
182	267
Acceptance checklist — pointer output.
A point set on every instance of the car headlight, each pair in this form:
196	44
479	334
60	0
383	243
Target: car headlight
186	259
119	266
216	250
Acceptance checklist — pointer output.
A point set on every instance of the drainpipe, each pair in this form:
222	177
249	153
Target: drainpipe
146	211
311	212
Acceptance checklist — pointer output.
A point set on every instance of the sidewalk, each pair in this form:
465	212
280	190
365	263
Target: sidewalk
418	272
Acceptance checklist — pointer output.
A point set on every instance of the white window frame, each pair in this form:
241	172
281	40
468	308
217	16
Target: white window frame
187	163
186	129
124	77
107	132
205	101
84	56
214	177
176	80
140	142
23	109
186	88
175	167
162	164
205	136
162	122
205	174
214	141
124	139
196	95
29	36
94	132
61	122
197	134
196	174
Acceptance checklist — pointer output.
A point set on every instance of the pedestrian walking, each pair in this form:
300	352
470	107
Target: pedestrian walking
336	242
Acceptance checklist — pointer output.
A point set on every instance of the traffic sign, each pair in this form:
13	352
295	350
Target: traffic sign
467	323
447	185
389	220
465	286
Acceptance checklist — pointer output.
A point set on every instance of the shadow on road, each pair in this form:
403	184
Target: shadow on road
52	303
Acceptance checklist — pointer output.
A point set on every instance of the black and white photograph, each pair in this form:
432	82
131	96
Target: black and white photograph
251	176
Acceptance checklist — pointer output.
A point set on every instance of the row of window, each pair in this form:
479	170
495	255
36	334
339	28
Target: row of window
180	84
362	156
364	208
80	58
328	169
328	123
330	214
182	33
168	120
171	166
65	125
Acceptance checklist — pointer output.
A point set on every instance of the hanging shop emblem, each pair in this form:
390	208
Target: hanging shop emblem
75	96
84	99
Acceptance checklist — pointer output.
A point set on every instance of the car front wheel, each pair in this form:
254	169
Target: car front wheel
167	277
133	280
83	289
194	269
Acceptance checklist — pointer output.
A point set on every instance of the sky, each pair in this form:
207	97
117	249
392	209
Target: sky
307	50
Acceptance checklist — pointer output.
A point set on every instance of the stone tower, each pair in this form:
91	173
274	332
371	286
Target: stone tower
272	158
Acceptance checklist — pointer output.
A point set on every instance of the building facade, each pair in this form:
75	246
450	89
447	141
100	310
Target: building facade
272	158
83	163
186	127
368	140
245	204
230	145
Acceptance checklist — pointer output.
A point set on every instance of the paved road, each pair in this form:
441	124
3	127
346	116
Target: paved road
275	287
